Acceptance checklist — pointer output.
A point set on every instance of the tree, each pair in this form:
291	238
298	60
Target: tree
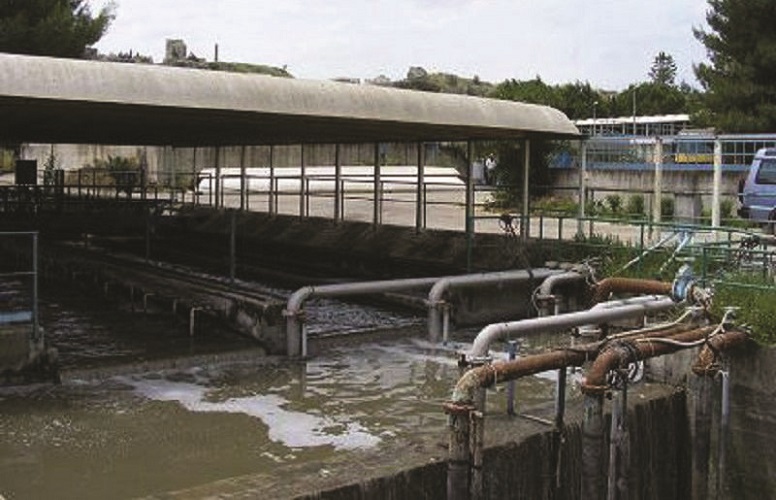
663	70
740	78
59	28
651	99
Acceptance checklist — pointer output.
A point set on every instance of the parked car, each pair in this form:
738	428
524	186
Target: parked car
757	192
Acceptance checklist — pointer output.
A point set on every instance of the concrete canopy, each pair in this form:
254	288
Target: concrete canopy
71	101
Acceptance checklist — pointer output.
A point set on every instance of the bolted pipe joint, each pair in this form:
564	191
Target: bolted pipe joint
616	356
708	364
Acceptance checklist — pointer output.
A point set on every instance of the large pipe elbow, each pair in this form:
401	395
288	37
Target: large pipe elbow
549	324
549	284
297	300
705	364
621	353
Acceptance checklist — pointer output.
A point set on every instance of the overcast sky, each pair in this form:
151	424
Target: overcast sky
610	43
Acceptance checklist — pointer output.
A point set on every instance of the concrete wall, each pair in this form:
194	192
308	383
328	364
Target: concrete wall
604	182
525	468
751	458
161	161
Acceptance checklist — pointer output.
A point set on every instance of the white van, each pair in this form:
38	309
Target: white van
757	193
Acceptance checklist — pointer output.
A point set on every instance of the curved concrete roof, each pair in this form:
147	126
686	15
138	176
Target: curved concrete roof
70	101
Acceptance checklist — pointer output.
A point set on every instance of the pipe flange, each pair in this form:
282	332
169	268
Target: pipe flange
476	361
301	314
458	409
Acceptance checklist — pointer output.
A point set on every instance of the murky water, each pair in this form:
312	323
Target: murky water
146	434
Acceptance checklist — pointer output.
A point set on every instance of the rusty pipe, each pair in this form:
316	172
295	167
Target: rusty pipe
487	375
634	286
594	386
623	352
705	364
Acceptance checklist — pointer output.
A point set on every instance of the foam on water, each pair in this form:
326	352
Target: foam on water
290	428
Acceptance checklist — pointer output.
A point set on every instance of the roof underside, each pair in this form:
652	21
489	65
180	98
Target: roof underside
85	102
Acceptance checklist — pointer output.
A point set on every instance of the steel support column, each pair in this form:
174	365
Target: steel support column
337	183
271	196
243	180
377	188
302	197
218	186
525	227
657	196
420	198
469	217
582	187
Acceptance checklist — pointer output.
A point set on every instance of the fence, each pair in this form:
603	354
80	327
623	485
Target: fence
19	281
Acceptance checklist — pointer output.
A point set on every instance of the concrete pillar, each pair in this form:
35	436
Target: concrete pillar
657	195
420	197
717	185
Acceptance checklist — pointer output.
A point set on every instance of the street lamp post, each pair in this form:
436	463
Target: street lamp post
595	104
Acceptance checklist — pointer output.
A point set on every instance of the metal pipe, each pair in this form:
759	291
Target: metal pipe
592	329
706	362
623	352
605	287
445	323
295	335
724	432
459	425
484	376
595	385
513	348
547	324
617	488
546	289
477	439
701	438
443	285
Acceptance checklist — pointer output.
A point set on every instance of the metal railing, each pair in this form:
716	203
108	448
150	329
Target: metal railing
19	281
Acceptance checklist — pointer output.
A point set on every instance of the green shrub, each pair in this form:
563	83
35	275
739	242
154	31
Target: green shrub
635	206
555	206
667	208
614	203
757	304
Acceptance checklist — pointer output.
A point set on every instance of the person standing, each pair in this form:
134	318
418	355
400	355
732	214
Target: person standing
490	170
